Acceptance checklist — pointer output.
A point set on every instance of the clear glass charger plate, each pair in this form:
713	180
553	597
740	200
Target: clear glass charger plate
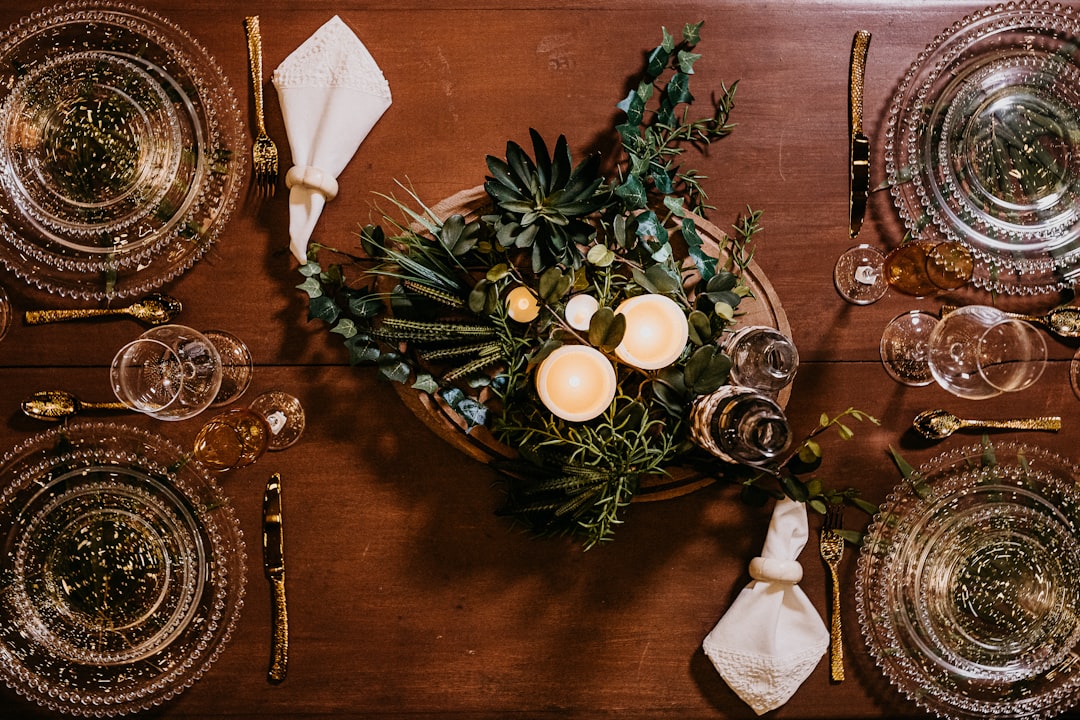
120	150
121	570
983	144
968	584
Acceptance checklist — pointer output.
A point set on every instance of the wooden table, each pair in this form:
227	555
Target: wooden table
409	597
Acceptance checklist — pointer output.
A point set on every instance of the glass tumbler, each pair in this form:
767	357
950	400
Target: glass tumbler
740	425
762	358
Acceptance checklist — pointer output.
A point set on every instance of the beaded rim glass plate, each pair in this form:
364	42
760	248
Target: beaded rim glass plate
121	570
968	583
983	145
120	150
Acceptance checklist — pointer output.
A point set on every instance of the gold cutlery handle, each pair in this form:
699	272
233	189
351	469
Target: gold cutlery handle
255	61
836	636
1036	423
41	317
859	47
279	641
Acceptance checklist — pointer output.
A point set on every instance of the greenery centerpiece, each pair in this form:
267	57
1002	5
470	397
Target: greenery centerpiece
427	301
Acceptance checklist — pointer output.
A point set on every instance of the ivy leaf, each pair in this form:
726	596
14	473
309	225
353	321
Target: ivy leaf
678	88
392	367
674	204
632	193
310	269
426	383
686	61
606	329
473	412
323	308
658	58
364	306
312	287
345	327
362	351
692	33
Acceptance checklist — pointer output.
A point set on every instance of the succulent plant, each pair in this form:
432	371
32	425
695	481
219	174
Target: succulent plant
543	204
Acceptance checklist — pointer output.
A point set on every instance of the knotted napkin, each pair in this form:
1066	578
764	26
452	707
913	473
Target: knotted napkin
772	637
332	93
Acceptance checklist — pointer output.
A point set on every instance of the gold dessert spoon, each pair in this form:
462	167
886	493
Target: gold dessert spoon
154	309
54	405
1062	321
940	424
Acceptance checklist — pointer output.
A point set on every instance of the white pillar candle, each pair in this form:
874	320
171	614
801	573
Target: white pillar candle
656	332
579	311
522	305
576	382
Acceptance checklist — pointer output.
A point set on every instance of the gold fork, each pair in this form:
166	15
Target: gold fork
264	152
832	550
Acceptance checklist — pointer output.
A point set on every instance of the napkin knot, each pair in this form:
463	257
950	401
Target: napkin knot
775	570
312	177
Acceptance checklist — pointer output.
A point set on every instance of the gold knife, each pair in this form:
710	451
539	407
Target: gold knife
859	183
274	565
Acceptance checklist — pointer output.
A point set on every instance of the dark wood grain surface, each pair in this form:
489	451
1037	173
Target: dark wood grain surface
409	597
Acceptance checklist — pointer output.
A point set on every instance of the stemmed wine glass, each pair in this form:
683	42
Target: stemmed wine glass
978	352
173	372
238	437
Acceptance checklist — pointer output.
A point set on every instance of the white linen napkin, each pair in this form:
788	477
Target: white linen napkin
332	93
772	637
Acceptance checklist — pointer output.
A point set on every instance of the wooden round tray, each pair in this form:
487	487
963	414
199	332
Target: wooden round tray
762	309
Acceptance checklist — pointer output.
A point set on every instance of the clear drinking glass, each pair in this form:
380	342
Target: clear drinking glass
762	358
978	352
237	438
170	372
903	347
740	425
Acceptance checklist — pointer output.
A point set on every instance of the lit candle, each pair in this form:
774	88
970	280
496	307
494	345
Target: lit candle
576	382
579	311
656	332
522	305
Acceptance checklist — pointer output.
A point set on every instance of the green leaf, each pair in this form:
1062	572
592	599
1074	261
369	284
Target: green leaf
312	287
686	61
678	89
658	58
310	269
554	284
426	383
867	507
794	488
600	256
692	33
700	327
362	351
706	370
722	281
392	367
633	193
675	205
497	272
663	279
345	327
606	329
323	308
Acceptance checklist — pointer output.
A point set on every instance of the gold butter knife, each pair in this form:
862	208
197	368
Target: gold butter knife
859	155
274	565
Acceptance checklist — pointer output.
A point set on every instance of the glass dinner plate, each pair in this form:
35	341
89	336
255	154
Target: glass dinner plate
968	584
120	150
983	144
121	570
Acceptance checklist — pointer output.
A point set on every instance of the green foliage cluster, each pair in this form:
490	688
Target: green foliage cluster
429	307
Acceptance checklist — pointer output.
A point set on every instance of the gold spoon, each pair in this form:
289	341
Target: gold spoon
940	424
154	309
1062	321
53	405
